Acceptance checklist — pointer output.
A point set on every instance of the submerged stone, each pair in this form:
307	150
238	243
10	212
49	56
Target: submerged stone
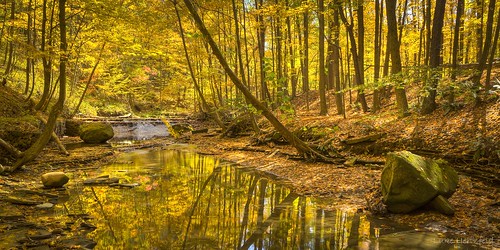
46	205
54	179
411	181
96	132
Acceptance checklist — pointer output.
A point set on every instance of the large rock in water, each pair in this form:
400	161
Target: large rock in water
410	181
54	179
96	132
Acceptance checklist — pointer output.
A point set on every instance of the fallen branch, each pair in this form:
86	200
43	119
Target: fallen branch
368	138
54	136
11	149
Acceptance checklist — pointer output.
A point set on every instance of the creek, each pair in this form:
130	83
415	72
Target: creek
185	200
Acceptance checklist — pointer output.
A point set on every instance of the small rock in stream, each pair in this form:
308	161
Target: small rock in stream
54	179
46	205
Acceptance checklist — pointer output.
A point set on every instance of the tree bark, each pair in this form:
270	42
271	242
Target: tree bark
321	56
10	50
305	61
492	54
456	48
376	54
487	45
46	61
429	102
261	39
393	40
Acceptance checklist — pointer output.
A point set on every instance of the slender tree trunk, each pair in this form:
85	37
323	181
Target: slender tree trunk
241	67
494	48
479	12
28	54
321	56
305	68
10	50
44	138
456	48
361	55
261	38
428	19
204	104
429	102
355	59
280	82
392	38
339	96
301	147
88	81
376	54
305	72
487	45
46	61
291	51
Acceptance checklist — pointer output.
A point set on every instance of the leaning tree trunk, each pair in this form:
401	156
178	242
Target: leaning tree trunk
301	146
44	138
89	80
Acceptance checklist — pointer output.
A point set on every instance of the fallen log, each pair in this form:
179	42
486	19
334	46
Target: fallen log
368	138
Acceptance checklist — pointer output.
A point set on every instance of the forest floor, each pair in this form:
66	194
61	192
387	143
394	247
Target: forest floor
467	137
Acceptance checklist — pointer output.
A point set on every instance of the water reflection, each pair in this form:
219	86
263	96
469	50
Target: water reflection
190	201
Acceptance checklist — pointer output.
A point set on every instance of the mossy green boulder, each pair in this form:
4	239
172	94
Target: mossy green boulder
96	132
411	181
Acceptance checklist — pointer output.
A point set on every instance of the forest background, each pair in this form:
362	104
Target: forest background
148	58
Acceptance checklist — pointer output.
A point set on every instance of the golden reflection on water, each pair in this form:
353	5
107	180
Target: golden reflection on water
190	201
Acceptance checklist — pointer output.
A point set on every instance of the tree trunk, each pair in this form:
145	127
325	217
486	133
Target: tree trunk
361	55
339	96
456	49
46	61
376	54
88	82
28	54
10	50
44	138
393	40
429	102
321	56
291	51
487	45
261	38
494	48
355	59
301	147
305	68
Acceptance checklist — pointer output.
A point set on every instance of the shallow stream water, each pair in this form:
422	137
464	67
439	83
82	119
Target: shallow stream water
186	200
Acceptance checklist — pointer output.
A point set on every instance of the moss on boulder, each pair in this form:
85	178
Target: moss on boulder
96	132
411	181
